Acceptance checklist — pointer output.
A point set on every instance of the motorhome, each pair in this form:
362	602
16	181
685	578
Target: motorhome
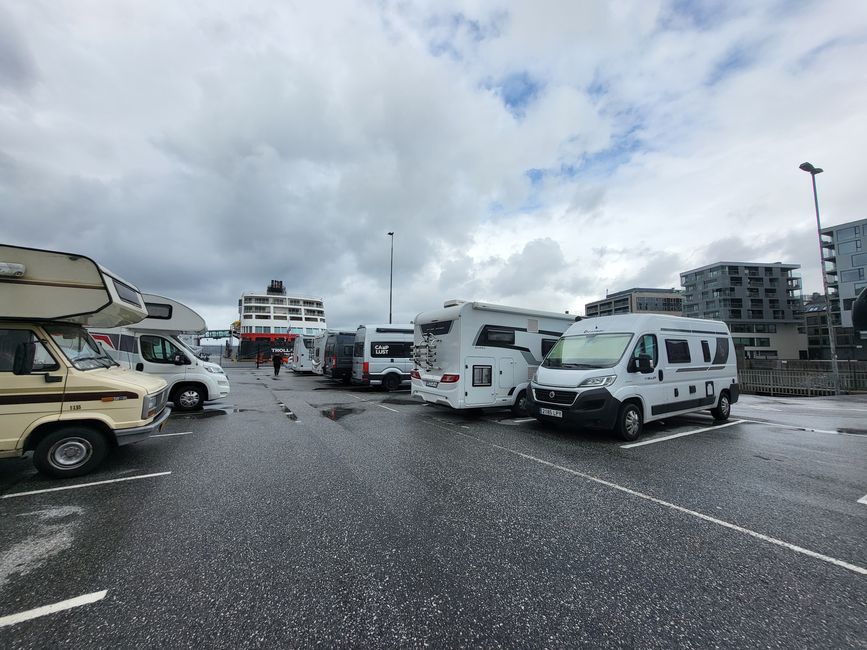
382	356
618	372
472	355
61	397
154	346
318	357
337	363
302	354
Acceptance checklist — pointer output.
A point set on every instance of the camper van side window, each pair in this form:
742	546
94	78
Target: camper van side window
482	375
647	345
11	339
358	349
705	351
156	349
436	329
496	337
158	310
547	344
127	343
721	356
127	293
677	350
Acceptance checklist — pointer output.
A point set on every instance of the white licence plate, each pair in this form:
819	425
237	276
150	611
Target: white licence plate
432	384
554	413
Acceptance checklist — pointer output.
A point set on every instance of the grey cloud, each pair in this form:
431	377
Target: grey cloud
18	69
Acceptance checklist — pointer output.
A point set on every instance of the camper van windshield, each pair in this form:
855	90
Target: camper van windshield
81	350
587	351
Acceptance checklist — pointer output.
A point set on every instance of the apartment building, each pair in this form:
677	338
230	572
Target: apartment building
844	252
637	300
761	304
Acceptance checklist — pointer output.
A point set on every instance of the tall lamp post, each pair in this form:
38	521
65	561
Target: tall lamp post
391	276
812	171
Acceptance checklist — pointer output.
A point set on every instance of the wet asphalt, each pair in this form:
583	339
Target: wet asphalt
304	513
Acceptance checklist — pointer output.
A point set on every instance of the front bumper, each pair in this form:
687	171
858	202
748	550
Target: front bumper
137	434
594	408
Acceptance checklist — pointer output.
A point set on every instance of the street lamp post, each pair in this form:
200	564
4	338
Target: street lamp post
812	171
391	276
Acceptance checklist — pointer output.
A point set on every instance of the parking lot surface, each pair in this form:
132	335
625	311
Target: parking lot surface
305	512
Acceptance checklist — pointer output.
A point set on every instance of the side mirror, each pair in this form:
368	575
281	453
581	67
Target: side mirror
645	364
179	359
22	363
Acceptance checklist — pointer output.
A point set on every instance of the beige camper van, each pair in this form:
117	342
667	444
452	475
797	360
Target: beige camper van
61	396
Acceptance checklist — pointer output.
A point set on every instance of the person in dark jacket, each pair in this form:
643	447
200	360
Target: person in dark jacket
278	361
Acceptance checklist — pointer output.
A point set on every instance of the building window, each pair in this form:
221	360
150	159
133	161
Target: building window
852	276
849	247
259	329
860	259
847	233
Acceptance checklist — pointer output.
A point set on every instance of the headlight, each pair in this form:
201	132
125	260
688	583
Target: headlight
216	370
148	404
598	382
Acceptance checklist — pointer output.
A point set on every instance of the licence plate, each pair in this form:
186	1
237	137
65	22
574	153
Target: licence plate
554	413
432	384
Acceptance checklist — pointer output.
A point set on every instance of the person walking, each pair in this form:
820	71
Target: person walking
278	361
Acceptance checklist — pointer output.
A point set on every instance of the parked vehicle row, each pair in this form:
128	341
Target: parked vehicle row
611	372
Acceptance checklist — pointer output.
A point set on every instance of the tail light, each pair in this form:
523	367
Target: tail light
334	361
415	374
365	368
449	379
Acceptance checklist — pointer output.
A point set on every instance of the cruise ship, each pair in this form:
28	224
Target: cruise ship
270	320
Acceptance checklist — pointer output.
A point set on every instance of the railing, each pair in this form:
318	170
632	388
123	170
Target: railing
803	383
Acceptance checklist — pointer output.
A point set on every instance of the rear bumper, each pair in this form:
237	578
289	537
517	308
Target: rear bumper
137	434
595	408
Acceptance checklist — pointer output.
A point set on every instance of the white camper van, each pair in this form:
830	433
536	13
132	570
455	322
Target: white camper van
617	372
318	358
153	345
471	355
382	355
61	396
302	354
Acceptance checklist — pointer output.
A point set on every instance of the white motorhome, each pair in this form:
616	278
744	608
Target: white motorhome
61	396
471	355
153	345
617	372
318	358
382	355
302	354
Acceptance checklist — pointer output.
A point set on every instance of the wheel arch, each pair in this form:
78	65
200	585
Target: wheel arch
41	431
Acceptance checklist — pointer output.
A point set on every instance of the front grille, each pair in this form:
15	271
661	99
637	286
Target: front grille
562	397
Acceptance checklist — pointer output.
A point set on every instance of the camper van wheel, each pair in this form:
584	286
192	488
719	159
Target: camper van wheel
629	422
391	382
188	398
71	451
519	408
724	409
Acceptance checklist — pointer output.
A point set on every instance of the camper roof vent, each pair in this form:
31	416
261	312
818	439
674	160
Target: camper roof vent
276	287
453	303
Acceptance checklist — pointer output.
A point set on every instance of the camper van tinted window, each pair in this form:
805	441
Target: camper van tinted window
437	329
127	293
391	349
358	349
677	350
721	356
496	336
705	351
9	342
647	345
127	343
156	349
547	344
159	310
482	375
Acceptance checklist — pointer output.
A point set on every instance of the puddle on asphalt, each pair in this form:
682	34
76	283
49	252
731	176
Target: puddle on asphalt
337	412
201	415
854	432
406	401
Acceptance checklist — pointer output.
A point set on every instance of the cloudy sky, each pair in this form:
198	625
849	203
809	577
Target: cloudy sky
529	153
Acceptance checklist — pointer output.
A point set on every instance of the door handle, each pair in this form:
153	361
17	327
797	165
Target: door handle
51	379
660	375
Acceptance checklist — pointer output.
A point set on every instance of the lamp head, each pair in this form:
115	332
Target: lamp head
807	167
391	234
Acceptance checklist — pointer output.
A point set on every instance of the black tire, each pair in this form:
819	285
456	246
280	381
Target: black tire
519	408
391	382
723	409
629	422
71	451
188	397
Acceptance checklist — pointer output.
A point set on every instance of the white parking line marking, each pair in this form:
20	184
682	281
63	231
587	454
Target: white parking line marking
756	408
388	409
713	520
522	420
354	396
87	599
863	500
680	435
166	435
83	485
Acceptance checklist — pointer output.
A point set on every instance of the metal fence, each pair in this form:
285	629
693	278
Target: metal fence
797	382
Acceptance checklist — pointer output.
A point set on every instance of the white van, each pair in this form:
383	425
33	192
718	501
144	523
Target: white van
61	396
382	355
471	355
617	372
154	346
302	354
